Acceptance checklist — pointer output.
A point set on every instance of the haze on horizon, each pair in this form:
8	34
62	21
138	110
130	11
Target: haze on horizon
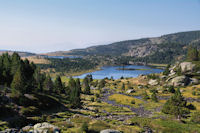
59	25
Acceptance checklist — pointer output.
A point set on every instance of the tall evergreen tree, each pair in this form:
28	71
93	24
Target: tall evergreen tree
18	82
176	105
75	99
78	86
58	85
16	60
86	87
48	84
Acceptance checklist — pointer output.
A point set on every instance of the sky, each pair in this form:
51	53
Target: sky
41	26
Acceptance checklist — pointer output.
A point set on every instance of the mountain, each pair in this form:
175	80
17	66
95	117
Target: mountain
143	49
22	54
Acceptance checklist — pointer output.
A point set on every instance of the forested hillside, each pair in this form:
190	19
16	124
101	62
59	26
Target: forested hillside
162	49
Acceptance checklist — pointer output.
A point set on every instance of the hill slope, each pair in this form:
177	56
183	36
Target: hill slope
173	44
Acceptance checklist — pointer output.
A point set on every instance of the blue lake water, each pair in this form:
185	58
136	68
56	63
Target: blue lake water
111	71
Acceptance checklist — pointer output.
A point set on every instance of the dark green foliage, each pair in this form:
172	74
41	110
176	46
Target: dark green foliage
154	97
195	117
152	76
191	107
86	87
171	89
58	86
74	93
69	65
18	82
48	85
102	83
145	96
192	54
176	105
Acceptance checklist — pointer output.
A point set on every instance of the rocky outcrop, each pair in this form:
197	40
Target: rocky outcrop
194	81
187	67
180	81
130	91
110	131
153	82
45	127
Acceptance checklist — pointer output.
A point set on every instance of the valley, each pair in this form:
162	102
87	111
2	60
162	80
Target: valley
87	93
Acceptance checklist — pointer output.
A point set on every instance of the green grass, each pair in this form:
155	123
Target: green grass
126	100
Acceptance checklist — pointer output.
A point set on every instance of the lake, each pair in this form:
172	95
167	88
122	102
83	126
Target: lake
116	73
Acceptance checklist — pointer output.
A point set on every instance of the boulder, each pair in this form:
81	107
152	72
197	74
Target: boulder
187	67
153	82
130	91
110	131
180	81
44	127
27	128
194	81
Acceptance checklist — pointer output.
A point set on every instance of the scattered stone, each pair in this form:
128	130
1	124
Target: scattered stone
153	82
44	127
187	67
194	81
110	131
27	128
180	81
130	91
11	130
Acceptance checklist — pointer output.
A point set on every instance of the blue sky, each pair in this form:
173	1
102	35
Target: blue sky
54	25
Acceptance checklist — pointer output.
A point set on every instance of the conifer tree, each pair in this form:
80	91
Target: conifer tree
15	62
18	82
74	94
48	84
78	86
58	85
86	87
176	105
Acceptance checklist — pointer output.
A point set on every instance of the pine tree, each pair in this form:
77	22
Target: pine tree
86	86
176	105
102	83
48	85
58	85
18	82
15	62
74	94
78	86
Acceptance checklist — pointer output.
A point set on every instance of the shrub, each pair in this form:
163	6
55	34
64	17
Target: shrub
92	99
191	107
195	117
171	89
84	127
132	101
194	93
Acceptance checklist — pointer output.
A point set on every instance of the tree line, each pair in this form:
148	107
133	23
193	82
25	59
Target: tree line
20	77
